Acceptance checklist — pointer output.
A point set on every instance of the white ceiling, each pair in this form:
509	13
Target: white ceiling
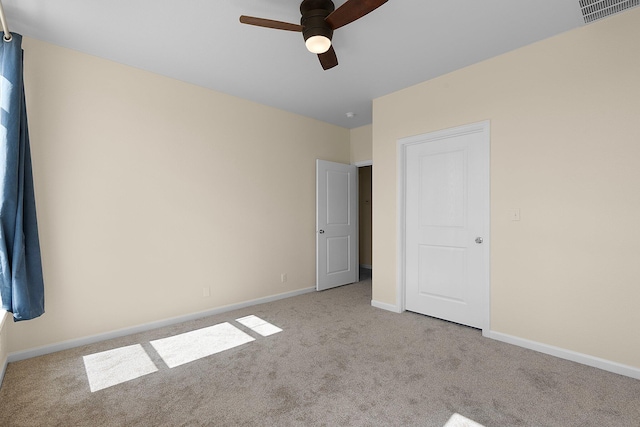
402	43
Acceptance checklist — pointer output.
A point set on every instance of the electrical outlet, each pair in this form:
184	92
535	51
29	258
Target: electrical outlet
283	277
514	214
206	291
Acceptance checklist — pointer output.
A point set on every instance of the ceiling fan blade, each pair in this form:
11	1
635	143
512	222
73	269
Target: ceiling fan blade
352	10
328	59
268	23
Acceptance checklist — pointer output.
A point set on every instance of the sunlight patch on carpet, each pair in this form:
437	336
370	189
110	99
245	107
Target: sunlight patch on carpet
112	367
184	348
258	325
458	420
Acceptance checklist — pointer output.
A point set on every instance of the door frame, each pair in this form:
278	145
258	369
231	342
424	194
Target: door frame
363	164
402	145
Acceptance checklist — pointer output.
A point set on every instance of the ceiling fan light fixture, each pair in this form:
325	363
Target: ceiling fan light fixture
319	18
316	31
318	44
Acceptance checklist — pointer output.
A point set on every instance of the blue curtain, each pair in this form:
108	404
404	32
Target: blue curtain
21	283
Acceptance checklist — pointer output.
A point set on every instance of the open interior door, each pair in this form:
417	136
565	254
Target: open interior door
336	224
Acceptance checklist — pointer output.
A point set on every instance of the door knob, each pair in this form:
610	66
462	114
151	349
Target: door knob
321	231
479	240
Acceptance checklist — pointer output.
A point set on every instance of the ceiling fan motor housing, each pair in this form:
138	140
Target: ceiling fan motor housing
313	21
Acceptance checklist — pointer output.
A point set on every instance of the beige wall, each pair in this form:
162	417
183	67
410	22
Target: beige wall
361	144
149	189
565	149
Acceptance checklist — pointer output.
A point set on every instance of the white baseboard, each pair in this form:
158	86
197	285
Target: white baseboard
385	306
562	353
65	345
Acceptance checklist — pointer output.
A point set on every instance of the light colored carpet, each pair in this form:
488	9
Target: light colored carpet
193	345
458	420
258	325
337	362
112	367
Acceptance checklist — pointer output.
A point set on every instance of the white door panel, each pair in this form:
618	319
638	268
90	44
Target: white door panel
336	224
445	210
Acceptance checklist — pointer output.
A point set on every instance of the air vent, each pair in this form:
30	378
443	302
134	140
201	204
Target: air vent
592	10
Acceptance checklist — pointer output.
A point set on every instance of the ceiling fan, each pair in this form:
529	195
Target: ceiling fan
319	19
